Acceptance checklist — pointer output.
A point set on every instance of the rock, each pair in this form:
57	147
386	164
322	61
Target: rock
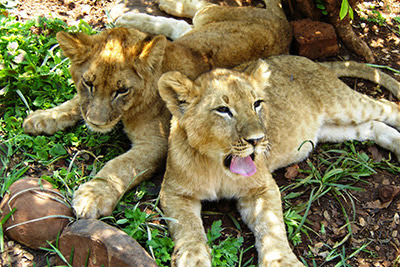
314	39
31	203
100	244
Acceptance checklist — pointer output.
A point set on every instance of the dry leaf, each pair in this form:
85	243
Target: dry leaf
292	171
377	204
376	155
387	193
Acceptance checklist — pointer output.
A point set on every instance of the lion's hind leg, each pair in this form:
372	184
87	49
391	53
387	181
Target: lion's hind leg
368	119
379	132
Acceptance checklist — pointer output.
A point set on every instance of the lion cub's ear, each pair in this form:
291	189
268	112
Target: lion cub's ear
152	53
177	91
259	74
76	46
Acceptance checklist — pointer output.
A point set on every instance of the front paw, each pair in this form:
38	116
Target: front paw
192	254
94	199
40	122
277	258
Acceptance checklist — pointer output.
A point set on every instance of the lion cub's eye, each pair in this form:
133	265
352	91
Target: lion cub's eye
257	105
88	84
224	110
123	90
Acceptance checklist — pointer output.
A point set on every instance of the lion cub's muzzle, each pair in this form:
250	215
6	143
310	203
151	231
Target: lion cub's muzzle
240	159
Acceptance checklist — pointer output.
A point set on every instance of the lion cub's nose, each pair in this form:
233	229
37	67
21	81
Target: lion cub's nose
255	139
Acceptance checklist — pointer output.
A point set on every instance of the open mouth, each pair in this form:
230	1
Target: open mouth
241	165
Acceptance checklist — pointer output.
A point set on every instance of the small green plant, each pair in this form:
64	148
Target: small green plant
376	17
143	222
320	4
345	8
225	252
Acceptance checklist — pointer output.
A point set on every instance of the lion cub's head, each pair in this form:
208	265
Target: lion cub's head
115	73
223	115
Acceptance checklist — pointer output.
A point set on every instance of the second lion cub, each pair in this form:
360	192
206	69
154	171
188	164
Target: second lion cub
231	129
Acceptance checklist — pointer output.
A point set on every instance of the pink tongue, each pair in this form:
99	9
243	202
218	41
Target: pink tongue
243	166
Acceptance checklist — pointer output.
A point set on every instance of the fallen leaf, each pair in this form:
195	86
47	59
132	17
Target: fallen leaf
292	171
376	155
377	204
326	215
387	193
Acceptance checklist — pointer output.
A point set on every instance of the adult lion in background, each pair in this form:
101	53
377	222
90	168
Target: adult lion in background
116	74
231	129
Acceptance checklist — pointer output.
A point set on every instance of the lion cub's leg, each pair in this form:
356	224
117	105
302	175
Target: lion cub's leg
99	196
354	116
186	229
54	119
182	8
273	13
382	134
261	209
171	28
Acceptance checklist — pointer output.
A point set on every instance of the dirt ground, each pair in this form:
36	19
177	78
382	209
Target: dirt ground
377	206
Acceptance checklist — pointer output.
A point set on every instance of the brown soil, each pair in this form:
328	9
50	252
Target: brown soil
376	217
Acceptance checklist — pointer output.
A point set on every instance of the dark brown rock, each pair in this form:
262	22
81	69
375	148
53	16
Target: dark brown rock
314	39
34	200
100	244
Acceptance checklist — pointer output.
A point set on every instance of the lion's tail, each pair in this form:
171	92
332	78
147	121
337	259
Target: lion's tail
360	70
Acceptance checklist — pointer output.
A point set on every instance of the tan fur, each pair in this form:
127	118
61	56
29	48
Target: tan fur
116	74
267	110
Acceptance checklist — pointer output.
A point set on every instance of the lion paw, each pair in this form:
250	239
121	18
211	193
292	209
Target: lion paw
94	199
275	258
48	121
196	255
40	121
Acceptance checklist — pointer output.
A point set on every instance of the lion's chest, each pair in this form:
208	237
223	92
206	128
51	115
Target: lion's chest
219	183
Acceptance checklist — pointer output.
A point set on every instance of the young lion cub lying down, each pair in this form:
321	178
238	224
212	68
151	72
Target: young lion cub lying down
231	129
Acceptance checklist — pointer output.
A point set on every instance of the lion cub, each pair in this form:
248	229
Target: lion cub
231	129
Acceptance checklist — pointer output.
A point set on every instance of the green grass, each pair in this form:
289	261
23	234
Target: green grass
228	251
